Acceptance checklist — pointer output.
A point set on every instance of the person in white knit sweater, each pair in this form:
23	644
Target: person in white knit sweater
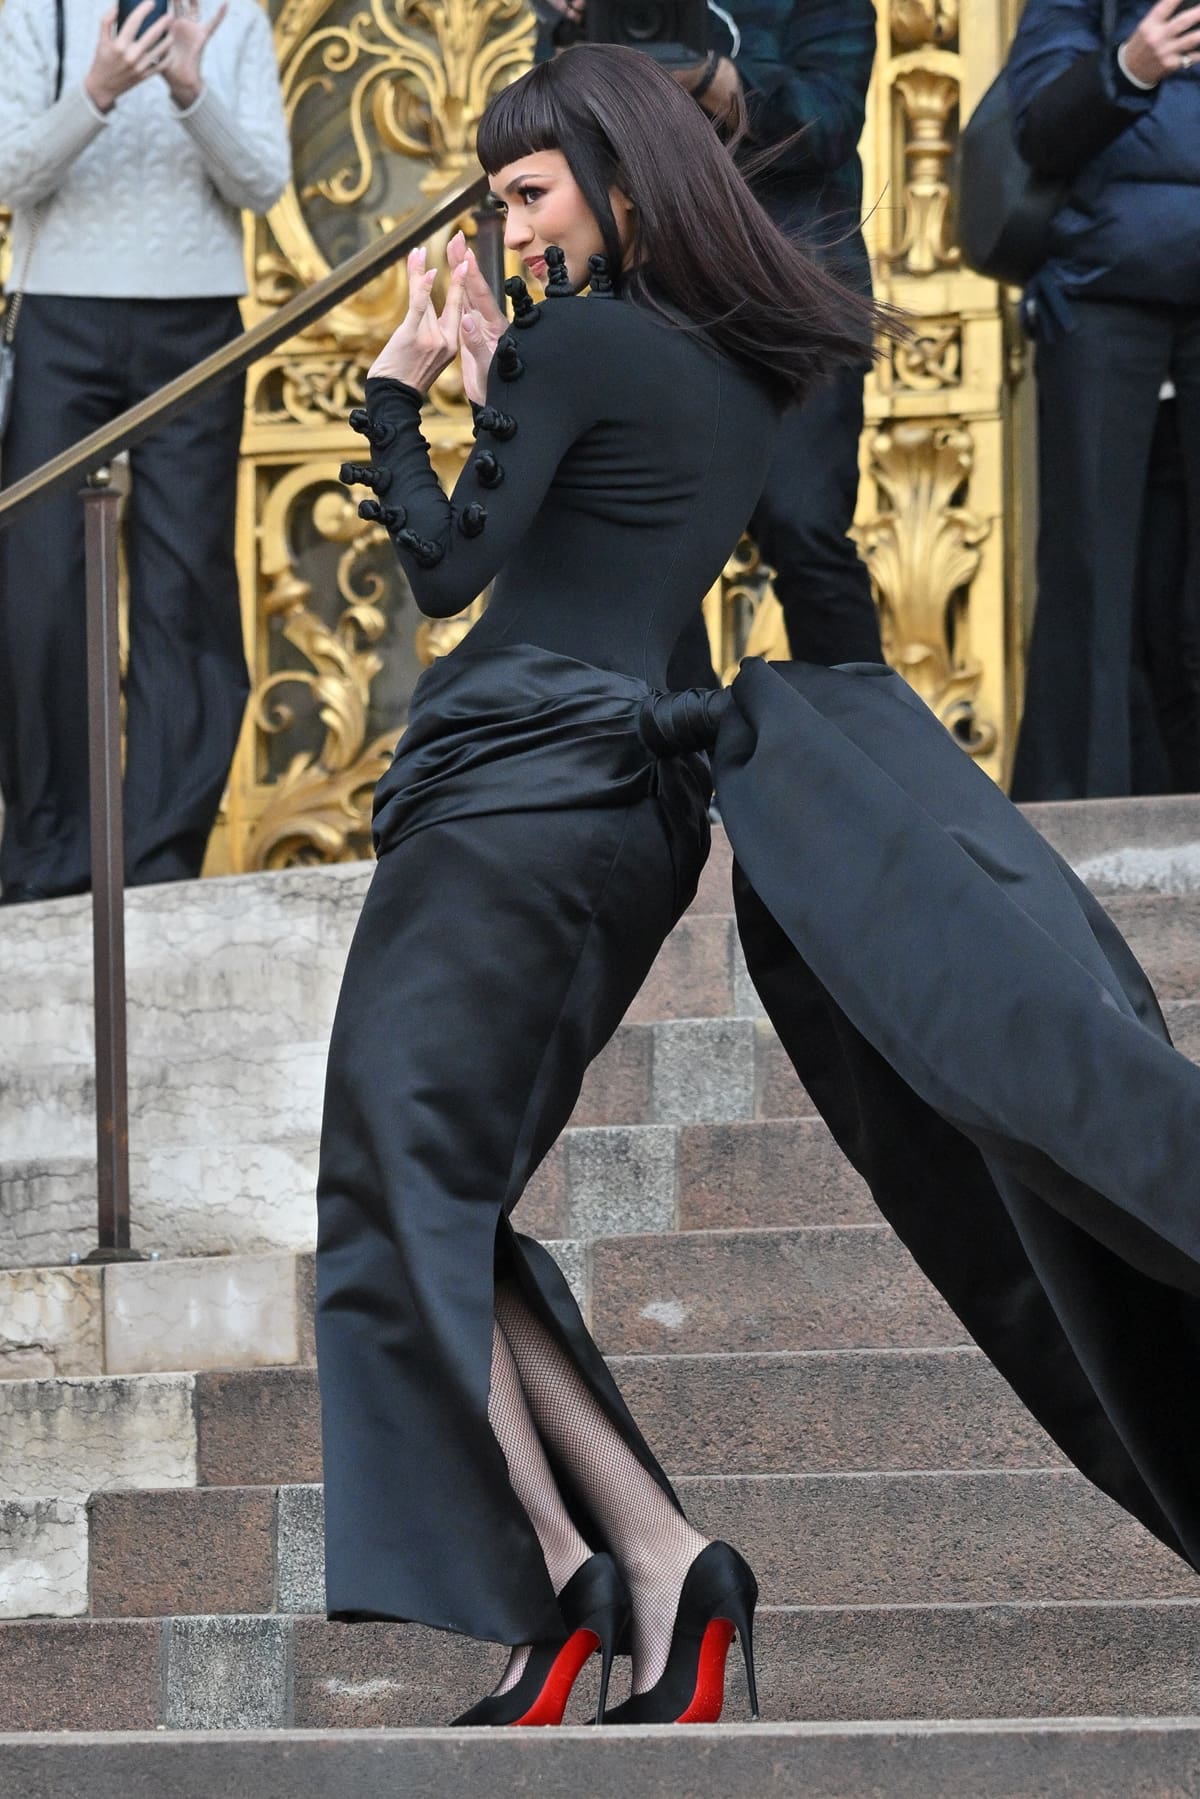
127	169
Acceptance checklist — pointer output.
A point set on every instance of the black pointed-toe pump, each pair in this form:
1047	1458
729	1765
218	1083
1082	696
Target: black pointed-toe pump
718	1599
595	1611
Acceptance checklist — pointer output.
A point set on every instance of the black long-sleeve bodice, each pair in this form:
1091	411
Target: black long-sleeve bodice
616	462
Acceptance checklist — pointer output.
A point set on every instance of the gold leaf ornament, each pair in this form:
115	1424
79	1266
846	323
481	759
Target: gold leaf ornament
922	551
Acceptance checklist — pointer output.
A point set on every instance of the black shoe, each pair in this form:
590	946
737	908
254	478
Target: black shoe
595	1611
718	1598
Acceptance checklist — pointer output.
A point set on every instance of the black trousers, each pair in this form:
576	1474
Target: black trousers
1163	695
79	363
800	525
1098	409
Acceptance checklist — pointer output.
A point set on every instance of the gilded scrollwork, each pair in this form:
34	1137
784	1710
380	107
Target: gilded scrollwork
922	550
319	808
410	79
383	98
927	93
932	358
310	391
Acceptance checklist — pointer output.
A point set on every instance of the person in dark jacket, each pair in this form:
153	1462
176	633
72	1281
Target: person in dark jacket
1115	313
803	67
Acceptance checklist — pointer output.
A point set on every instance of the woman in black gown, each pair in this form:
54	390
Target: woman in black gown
978	1037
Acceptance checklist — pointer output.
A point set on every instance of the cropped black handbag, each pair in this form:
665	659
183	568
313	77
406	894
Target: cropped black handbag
1005	210
12	312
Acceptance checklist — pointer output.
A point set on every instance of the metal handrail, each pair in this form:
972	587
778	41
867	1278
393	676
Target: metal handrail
89	460
129	427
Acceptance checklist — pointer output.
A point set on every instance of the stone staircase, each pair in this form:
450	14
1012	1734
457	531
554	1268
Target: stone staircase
925	1554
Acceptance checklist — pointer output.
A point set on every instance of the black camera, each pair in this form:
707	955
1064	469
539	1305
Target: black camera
674	32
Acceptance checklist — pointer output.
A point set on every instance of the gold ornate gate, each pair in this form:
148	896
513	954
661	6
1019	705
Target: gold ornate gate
940	519
383	97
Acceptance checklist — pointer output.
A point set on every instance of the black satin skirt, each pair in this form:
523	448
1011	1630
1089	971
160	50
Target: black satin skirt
533	857
963	1014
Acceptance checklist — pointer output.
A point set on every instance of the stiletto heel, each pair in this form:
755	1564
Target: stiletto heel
718	1600
740	1607
608	1649
595	1611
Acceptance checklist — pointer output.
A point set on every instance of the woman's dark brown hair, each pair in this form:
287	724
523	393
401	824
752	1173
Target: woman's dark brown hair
705	255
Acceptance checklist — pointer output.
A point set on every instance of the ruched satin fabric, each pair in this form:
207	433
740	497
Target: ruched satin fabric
963	1014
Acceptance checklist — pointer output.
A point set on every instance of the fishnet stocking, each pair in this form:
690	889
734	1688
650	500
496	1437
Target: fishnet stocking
532	1482
653	1542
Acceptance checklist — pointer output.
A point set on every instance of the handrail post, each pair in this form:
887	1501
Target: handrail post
101	516
489	244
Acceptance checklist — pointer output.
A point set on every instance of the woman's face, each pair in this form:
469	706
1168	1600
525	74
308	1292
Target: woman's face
545	206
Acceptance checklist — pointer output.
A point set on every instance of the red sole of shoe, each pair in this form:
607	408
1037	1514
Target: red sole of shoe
551	1702
709	1696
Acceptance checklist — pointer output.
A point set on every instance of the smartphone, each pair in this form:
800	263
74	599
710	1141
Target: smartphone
159	10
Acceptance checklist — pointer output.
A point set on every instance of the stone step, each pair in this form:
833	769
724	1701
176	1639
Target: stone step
682	1070
156	1316
1120	845
1076	1758
997	1536
830	1411
808	1412
267	950
699	1122
809	1287
197	1191
1163	931
763	1158
188	1199
606	1179
846	1287
792	1412
265	1673
283	997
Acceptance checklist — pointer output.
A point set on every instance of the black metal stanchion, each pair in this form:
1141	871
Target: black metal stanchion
101	513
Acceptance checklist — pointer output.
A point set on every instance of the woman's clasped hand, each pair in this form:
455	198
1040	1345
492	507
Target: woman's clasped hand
470	324
131	52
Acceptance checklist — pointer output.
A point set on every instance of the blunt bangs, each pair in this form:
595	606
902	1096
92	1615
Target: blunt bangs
522	119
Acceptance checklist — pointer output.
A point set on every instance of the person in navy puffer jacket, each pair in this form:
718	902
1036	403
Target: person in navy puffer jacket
1115	314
